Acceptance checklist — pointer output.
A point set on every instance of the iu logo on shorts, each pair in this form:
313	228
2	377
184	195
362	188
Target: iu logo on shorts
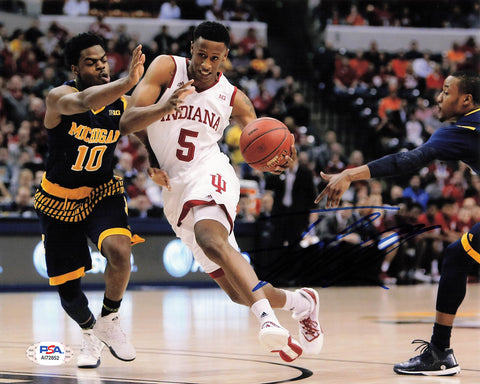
219	183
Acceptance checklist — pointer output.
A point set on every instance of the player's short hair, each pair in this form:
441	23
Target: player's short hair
211	30
469	84
78	43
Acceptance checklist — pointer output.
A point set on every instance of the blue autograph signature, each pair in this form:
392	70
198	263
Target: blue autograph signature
396	235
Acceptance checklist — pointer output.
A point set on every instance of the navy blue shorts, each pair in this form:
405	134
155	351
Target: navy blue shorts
66	244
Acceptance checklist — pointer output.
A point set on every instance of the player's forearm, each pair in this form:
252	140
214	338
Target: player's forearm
358	173
99	96
136	119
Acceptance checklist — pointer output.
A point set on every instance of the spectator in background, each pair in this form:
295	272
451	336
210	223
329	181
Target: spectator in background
22	204
205	5
16	101
415	133
249	41
392	119
292	193
413	52
429	244
33	33
76	8
48	80
49	42
455	54
422	67
434	82
324	151
164	40
100	27
415	192
170	10
28	64
455	188
125	169
299	110
354	17
244	210
400	64
359	63
240	11
345	77
216	12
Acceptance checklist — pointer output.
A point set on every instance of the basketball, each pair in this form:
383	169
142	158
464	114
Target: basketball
265	142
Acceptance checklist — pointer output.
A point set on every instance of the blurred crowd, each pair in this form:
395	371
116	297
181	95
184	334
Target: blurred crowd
390	94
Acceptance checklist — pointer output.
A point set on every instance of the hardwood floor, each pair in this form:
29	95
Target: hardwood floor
197	336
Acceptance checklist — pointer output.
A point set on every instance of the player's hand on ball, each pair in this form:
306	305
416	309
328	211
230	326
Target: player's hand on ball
291	160
160	177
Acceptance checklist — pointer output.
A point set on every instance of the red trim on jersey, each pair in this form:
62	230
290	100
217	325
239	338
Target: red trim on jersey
233	96
220	74
174	73
196	203
216	274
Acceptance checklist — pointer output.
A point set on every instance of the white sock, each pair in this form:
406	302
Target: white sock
264	312
385	266
295	302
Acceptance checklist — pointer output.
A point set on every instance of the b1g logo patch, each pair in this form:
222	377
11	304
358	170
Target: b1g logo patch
49	353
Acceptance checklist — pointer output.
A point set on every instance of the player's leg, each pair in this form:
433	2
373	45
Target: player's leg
68	257
458	259
75	303
108	228
212	236
303	303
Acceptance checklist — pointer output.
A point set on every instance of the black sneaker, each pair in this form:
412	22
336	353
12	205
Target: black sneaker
431	362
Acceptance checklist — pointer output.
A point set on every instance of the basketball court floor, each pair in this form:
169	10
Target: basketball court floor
197	336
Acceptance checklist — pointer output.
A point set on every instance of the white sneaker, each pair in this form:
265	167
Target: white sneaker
277	339
421	276
310	331
108	330
91	350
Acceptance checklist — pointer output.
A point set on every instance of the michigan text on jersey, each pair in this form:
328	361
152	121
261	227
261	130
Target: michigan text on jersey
94	135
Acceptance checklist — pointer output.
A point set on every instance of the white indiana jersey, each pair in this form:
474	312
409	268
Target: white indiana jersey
186	138
186	146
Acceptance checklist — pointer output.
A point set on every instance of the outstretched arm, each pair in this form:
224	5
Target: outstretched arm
143	108
64	100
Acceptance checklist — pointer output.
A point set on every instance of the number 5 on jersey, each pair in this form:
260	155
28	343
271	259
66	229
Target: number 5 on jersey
188	148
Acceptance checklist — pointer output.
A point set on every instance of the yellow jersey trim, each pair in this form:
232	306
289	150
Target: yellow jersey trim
60	279
468	248
110	232
475	110
65	193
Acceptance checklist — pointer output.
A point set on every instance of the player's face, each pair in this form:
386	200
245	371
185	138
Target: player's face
207	56
450	100
93	68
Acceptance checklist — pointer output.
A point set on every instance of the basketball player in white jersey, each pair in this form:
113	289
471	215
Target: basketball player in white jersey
185	105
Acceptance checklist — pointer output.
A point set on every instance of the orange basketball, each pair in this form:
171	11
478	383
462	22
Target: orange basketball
265	142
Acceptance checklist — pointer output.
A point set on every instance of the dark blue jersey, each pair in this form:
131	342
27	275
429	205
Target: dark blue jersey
81	148
459	141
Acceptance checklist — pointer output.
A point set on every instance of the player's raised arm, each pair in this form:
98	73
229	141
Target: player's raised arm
143	108
339	183
65	100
